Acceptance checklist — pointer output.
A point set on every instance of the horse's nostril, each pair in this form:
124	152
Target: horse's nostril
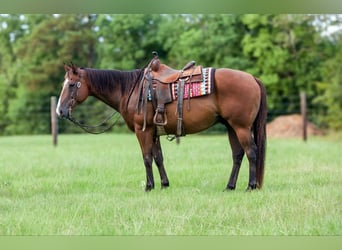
60	113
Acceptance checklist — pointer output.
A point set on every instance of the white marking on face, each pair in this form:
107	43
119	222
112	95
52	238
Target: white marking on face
59	99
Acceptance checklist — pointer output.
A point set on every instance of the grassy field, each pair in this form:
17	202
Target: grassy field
94	185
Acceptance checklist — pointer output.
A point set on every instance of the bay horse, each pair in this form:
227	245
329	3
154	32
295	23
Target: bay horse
238	101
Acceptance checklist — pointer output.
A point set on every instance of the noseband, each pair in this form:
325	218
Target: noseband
89	129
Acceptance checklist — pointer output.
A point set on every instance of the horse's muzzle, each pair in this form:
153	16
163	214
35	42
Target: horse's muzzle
62	113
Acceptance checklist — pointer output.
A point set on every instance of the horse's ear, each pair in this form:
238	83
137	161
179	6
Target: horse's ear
66	67
74	68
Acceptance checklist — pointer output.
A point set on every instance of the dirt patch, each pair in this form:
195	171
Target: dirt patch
289	126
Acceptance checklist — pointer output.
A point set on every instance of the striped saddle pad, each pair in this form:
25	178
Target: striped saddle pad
199	87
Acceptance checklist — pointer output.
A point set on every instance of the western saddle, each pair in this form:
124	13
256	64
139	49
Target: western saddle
156	85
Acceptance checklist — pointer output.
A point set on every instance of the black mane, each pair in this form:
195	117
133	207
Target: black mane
102	81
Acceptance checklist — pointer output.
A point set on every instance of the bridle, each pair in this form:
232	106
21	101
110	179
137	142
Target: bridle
89	129
74	94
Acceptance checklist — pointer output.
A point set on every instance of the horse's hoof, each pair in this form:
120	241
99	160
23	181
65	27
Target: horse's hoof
148	188
229	188
165	185
251	188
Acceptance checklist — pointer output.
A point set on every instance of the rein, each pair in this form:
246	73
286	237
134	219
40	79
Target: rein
90	129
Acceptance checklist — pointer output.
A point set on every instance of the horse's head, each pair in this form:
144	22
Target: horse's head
74	91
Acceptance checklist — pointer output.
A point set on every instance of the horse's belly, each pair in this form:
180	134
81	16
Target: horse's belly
198	116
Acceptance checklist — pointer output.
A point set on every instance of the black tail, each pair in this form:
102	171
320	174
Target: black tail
259	131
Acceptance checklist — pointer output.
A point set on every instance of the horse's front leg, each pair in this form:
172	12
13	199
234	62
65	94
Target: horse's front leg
145	139
158	159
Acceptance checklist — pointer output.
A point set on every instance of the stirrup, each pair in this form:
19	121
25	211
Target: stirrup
159	123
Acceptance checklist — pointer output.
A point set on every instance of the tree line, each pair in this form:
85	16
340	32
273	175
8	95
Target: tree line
289	53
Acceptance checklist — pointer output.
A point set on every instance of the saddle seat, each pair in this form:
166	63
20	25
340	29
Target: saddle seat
165	74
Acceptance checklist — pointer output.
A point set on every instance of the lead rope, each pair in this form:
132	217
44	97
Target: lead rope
89	128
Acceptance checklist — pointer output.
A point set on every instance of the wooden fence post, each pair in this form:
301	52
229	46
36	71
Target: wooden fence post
54	121
304	114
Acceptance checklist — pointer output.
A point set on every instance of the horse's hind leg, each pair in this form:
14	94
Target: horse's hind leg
247	142
158	158
237	154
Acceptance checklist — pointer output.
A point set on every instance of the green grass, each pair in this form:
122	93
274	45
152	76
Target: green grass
94	185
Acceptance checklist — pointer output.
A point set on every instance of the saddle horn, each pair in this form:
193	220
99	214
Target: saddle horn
155	63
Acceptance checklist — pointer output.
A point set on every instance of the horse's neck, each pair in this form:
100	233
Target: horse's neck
117	97
104	96
111	99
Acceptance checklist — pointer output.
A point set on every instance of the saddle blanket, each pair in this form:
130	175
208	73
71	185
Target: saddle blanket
195	89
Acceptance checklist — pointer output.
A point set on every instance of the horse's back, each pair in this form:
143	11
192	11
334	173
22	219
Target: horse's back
235	83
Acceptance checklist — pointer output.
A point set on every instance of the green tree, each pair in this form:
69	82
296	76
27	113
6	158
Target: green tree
287	51
212	40
51	39
331	86
125	41
12	29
